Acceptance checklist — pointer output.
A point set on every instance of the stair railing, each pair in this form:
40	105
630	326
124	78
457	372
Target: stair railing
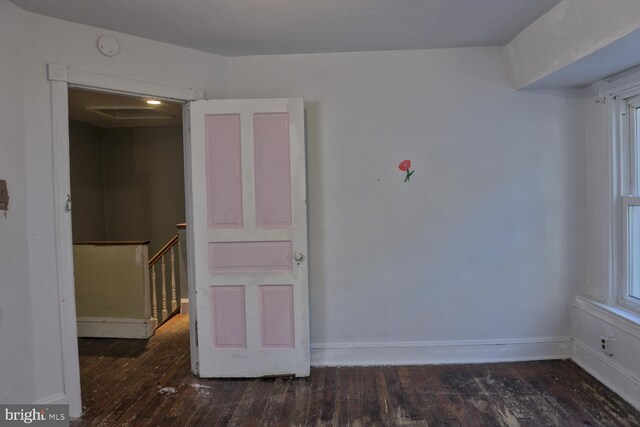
164	313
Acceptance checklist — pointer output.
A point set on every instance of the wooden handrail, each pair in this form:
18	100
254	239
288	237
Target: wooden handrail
164	250
113	243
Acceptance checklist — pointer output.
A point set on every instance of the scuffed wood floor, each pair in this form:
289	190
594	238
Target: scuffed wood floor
138	382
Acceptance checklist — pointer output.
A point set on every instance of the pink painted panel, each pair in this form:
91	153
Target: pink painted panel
273	178
229	324
276	316
224	171
240	257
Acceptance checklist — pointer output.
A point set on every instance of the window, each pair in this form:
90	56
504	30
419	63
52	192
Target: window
630	171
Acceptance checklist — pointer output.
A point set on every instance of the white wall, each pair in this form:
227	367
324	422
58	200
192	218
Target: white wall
16	325
30	42
487	240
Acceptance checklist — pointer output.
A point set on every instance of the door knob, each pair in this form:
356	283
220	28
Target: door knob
298	256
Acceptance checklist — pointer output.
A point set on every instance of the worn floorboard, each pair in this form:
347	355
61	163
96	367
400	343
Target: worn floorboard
149	383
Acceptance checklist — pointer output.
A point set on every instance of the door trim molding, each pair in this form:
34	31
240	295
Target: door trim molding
113	84
61	78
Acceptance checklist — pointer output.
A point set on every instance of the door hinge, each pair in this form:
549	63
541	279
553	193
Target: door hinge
67	204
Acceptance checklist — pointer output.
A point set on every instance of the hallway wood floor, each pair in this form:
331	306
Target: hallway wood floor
138	383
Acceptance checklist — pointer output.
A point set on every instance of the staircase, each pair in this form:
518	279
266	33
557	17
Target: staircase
161	308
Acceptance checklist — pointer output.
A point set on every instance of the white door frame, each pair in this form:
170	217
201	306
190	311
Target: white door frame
61	78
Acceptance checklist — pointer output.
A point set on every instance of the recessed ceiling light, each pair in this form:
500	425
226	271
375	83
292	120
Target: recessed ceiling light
153	102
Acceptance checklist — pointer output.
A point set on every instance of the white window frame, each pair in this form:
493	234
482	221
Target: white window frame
628	194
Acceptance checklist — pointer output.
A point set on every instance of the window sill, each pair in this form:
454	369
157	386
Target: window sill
619	317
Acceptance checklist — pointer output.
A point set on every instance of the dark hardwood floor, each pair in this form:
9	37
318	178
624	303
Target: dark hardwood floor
138	382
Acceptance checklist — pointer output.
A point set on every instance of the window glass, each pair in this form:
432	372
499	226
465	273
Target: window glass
633	218
634	251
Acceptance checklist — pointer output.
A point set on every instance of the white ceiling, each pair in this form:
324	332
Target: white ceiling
261	27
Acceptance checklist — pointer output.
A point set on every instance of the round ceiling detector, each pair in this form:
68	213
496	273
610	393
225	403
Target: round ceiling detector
108	45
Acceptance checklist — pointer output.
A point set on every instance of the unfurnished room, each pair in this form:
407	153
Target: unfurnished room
360	213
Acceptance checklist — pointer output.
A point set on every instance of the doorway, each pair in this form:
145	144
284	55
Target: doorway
127	186
127	182
61	78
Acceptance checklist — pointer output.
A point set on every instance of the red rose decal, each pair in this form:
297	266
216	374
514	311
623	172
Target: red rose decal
404	166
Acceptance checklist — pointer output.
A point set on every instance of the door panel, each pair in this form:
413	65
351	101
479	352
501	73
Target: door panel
229	326
238	257
273	182
224	179
247	192
277	316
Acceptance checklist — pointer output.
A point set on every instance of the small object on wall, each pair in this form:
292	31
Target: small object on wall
404	166
607	344
4	195
108	45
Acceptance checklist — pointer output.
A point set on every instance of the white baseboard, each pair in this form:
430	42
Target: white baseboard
608	372
112	327
439	352
184	306
56	399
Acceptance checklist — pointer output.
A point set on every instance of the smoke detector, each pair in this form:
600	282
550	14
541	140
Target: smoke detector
108	45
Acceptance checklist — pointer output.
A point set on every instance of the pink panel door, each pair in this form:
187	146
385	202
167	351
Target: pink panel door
249	238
